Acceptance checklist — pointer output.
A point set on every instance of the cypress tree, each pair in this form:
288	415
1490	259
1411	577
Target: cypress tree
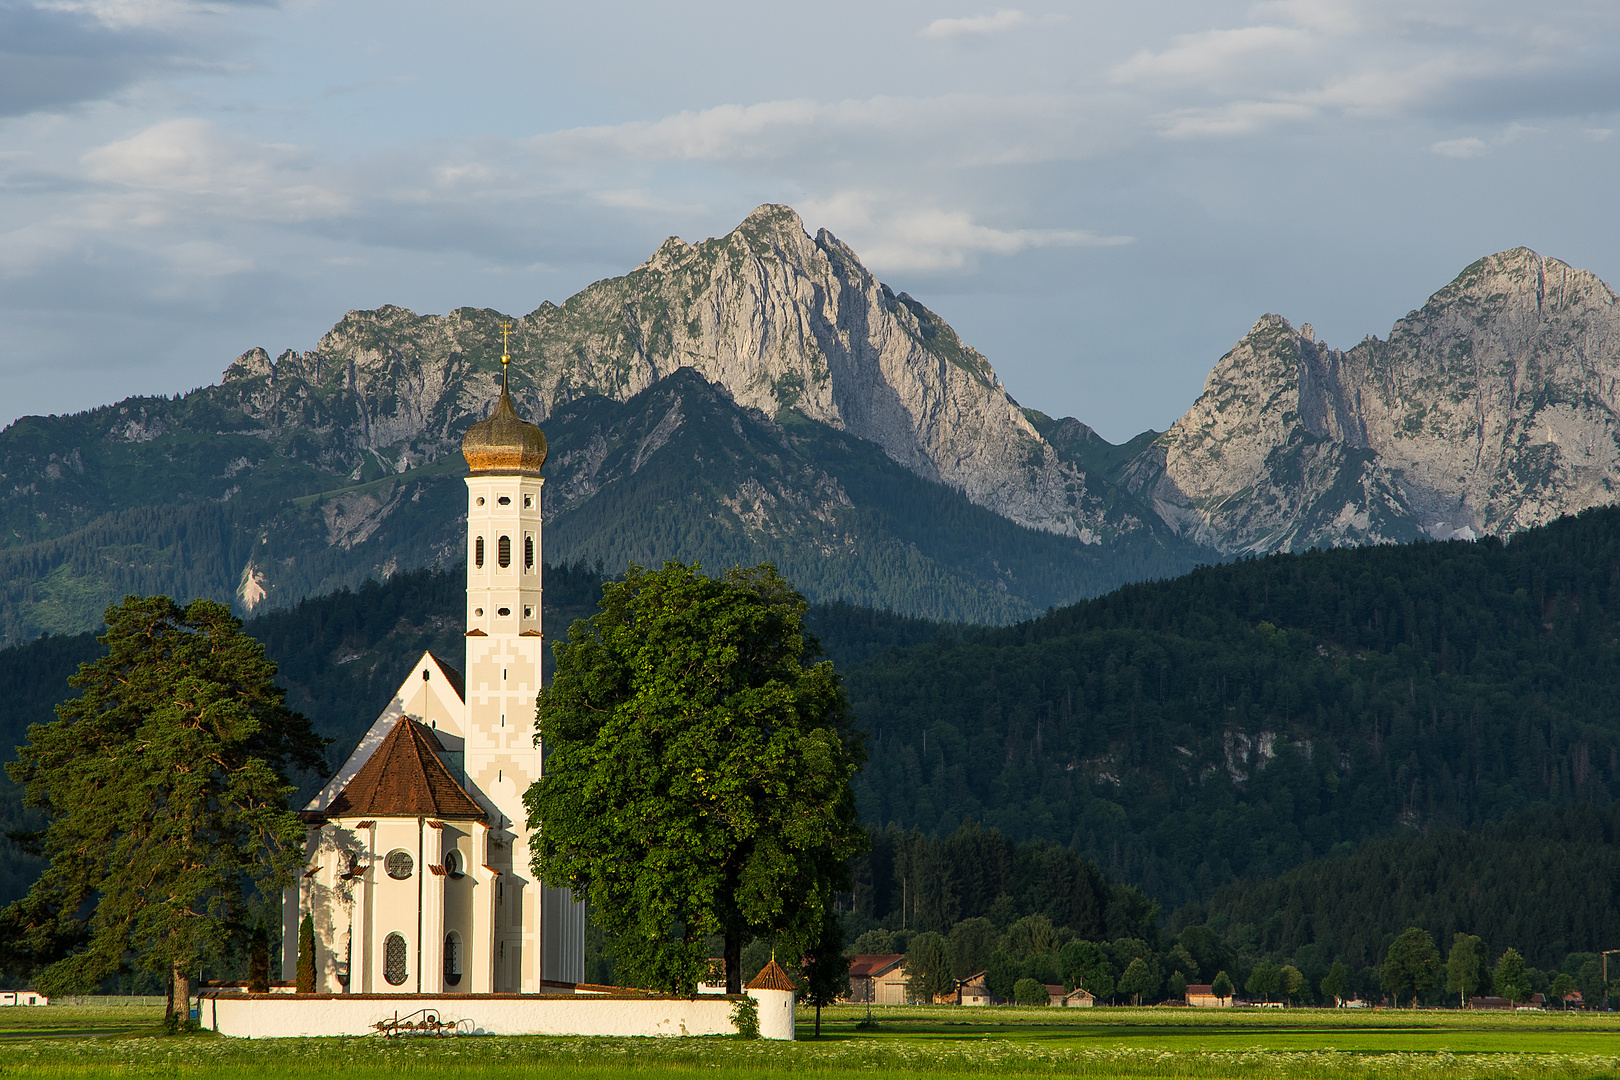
306	955
258	980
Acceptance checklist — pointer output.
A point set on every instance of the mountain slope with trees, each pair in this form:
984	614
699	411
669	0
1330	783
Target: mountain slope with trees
1248	717
679	470
856	423
341	655
1545	882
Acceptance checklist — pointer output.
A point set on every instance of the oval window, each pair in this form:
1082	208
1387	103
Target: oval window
504	501
394	959
503	551
399	864
452	864
478	552
478	611
503	612
480	500
528	502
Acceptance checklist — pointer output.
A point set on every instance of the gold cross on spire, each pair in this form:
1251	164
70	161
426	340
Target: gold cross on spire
506	330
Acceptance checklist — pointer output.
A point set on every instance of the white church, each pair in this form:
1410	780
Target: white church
418	873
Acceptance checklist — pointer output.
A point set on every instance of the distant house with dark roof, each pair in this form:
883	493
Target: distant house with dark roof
1078	998
974	990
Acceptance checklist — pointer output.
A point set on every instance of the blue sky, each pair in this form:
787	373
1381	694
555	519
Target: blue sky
1100	197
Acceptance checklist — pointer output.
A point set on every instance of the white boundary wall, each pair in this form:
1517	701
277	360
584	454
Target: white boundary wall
264	1016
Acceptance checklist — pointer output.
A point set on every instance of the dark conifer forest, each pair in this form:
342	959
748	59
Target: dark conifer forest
1280	760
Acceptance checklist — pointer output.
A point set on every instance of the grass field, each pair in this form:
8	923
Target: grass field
100	1040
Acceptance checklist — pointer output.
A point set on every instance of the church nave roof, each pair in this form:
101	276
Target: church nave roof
405	778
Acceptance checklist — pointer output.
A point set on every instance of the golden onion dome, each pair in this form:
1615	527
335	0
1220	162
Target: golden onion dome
504	443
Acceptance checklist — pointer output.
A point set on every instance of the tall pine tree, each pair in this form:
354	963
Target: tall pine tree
164	790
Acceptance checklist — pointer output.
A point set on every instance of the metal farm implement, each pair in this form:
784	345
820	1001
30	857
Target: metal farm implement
422	1022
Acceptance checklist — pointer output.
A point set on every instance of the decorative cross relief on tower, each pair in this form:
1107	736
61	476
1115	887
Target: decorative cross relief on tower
538	932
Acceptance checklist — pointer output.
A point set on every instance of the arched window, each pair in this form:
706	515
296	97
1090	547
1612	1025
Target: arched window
399	864
394	959
478	552
528	553
503	552
452	958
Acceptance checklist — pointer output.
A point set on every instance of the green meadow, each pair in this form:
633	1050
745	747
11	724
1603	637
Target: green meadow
101	1040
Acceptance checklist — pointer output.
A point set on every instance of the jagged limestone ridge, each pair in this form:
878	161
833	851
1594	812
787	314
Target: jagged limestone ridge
777	318
1490	409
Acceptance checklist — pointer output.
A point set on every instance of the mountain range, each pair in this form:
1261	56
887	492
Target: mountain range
761	395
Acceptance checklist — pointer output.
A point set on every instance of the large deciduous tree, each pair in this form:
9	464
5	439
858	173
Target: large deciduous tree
698	771
826	968
928	968
1512	977
1463	966
1411	966
164	791
1334	982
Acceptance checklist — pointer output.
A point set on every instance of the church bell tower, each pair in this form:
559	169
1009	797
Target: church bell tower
538	931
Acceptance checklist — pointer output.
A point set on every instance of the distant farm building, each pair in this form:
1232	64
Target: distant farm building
878	978
1202	996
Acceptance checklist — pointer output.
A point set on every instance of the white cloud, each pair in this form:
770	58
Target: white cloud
1005	19
1460	148
955	129
890	236
213	169
644	200
1385	90
1328	16
1472	147
1238	118
1212	55
138	14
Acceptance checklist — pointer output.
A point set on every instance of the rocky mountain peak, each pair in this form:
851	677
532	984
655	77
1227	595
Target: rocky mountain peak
780	319
1491	408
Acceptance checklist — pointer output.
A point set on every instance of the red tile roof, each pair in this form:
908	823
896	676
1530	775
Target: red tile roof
868	965
451	674
405	778
770	977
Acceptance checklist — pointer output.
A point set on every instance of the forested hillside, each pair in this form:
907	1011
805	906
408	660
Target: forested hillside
340	656
1233	724
1545	882
1244	718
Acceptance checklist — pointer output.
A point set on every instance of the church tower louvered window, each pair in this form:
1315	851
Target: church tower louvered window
503	552
478	552
528	553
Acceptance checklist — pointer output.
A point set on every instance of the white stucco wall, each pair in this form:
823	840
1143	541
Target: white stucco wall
775	1013
274	1016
